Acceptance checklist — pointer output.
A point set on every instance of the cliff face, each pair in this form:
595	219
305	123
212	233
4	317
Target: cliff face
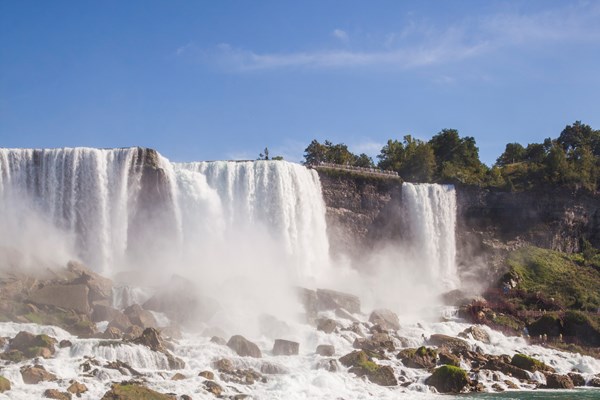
363	210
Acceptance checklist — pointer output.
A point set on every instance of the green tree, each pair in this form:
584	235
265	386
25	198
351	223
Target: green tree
391	156
457	158
315	153
513	153
364	161
418	161
264	155
557	166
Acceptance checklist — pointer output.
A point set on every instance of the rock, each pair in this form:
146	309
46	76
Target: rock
387	319
325	350
556	381
112	332
35	374
57	394
326	325
594	382
102	312
329	364
151	338
383	376
273	369
65	343
4	384
360	364
224	365
448	379
133	332
120	321
511	384
123	368
77	388
529	364
178	377
100	288
140	317
451	343
71	297
285	348
497	364
207	375
133	391
477	333
243	347
33	345
308	298
546	325
497	388
343	314
378	342
331	300
447	358
213	388
423	357
577	379
218	340
14	356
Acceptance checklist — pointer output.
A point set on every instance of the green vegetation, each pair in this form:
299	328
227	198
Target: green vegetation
4	384
572	160
448	378
557	276
528	363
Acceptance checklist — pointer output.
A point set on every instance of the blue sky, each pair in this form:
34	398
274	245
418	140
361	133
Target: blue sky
219	80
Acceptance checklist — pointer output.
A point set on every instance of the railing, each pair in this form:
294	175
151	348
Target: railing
345	167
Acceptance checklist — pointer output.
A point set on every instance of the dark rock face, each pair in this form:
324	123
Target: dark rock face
577	379
556	381
243	347
285	348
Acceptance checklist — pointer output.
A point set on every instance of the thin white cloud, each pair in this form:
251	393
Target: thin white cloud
340	34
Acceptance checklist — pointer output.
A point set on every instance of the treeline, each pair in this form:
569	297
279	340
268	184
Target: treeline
572	159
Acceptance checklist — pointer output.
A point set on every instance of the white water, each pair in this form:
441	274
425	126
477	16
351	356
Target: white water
92	197
431	212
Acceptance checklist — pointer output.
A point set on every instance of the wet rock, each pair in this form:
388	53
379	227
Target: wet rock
100	288
123	368
120	321
448	379
451	343
112	332
343	314
224	365
207	375
273	369
151	338
329	364
423	357
331	300
36	374
133	391
594	382
497	388
65	343
243	347
4	384
103	312
140	317
326	325
33	345
577	379
556	381
378	342
77	388
71	297
178	377
326	350
362	365
57	394
477	333
213	388
511	384
14	356
218	340
385	318
529	364
133	332
285	348
498	364
447	358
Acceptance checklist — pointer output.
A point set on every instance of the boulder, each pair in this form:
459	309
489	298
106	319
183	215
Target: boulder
448	379
133	332
213	388
273	369
477	333
140	317
451	343
328	364
325	350
243	347
33	345
120	321
385	318
100	288
331	300
529	364
101	312
224	365
133	391
218	340
577	379
35	374
423	357
14	356
123	368
361	365
207	375
178	377
77	388
4	384
71	297
378	342
497	364
285	348
556	381
594	382
65	343
383	376
112	332
151	338
57	394
447	358
326	325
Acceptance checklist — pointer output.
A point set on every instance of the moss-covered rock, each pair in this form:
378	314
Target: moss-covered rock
133	391
362	365
556	381
4	384
529	364
448	379
423	357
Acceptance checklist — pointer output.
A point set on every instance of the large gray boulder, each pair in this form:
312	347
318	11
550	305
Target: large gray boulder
285	348
385	318
243	347
140	317
71	297
331	299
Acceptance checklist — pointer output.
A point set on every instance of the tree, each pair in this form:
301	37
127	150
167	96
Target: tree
418	161
574	136
457	158
513	153
315	153
264	155
391	156
364	161
535	153
557	166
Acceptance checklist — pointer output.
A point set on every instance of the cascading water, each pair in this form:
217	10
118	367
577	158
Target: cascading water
431	212
113	206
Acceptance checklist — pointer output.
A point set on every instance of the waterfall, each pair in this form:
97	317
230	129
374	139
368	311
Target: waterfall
124	206
431	214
